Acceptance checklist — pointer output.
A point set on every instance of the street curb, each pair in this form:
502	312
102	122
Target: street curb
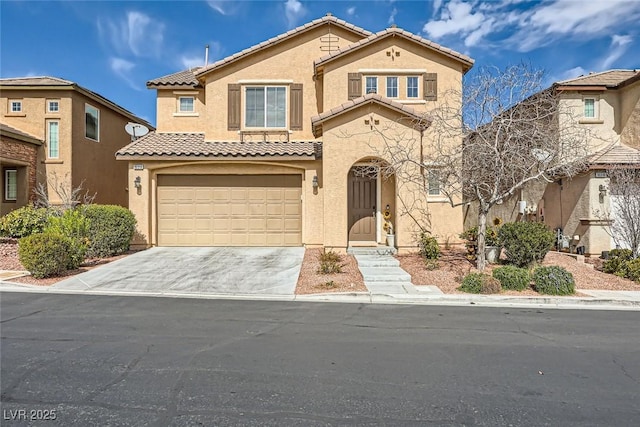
575	303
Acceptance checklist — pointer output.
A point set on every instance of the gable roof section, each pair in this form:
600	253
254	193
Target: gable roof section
616	154
47	82
370	98
182	78
392	32
11	132
163	145
327	19
610	79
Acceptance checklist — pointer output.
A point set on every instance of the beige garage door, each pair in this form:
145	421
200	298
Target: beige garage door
229	210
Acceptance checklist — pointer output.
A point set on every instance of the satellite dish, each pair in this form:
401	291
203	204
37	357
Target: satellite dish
136	130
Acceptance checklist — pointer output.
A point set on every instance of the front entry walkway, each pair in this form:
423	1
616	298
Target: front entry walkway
382	273
236	271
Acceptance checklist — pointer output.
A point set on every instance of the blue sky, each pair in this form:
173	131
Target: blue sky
114	47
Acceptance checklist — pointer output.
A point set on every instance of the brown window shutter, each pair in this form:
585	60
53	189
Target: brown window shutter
295	107
355	85
234	113
430	86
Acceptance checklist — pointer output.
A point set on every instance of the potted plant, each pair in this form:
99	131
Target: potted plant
388	227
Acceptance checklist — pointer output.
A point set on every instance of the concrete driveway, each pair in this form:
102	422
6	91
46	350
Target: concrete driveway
272	271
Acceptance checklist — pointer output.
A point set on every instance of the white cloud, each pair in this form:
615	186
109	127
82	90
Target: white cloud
137	34
122	68
196	59
294	11
224	7
572	73
191	61
218	6
457	18
619	45
392	17
351	11
436	5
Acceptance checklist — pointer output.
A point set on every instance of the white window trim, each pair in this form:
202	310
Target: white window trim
85	123
49	139
392	71
6	185
407	88
49	110
596	112
244	108
430	173
377	83
11	102
189	112
386	88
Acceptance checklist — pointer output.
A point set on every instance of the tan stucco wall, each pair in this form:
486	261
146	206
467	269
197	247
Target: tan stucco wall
604	129
374	56
143	202
630	115
168	118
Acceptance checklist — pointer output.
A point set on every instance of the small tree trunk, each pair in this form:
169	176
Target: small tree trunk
482	230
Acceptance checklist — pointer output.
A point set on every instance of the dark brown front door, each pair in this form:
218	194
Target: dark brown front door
362	209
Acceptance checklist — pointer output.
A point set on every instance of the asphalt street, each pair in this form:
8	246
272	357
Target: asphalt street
101	360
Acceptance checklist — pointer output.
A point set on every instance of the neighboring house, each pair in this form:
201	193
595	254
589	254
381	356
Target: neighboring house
263	148
608	104
52	128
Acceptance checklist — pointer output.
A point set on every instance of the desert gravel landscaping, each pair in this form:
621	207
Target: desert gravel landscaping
312	282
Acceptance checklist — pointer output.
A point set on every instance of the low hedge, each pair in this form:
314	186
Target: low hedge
111	229
512	278
23	222
525	243
480	283
45	254
553	280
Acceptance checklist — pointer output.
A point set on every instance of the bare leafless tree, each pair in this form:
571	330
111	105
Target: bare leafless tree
68	195
624	212
503	131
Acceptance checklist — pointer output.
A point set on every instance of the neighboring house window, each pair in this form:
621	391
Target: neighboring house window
53	106
412	87
53	140
590	108
10	184
15	106
266	107
433	179
92	122
392	87
371	85
186	104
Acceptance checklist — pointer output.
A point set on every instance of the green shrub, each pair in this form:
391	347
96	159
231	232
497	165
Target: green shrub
74	225
525	243
480	283
429	248
512	278
23	222
45	254
617	258
490	235
553	280
330	262
630	270
111	229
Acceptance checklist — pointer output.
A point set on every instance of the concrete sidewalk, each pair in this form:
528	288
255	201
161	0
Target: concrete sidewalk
599	300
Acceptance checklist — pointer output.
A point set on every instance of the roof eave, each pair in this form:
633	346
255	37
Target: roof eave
208	157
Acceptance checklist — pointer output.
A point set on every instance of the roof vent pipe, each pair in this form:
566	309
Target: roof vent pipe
206	55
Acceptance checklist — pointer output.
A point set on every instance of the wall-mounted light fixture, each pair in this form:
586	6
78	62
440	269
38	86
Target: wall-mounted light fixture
137	182
314	182
603	189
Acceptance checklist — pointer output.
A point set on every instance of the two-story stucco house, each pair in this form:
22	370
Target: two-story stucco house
50	127
608	105
263	148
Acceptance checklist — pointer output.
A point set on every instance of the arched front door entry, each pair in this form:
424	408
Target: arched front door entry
362	208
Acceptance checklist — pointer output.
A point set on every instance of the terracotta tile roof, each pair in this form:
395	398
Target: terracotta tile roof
616	154
12	132
194	145
35	81
394	32
609	78
181	78
316	121
275	40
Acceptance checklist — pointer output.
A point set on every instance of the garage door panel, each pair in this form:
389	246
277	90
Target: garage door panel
229	210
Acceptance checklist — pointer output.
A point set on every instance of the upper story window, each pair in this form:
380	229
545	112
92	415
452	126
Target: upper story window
392	87
53	106
186	104
265	107
371	85
590	108
412	87
15	106
10	184
433	179
92	122
53	139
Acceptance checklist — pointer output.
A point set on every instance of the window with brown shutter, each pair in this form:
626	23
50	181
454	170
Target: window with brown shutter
295	107
354	85
430	86
234	113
